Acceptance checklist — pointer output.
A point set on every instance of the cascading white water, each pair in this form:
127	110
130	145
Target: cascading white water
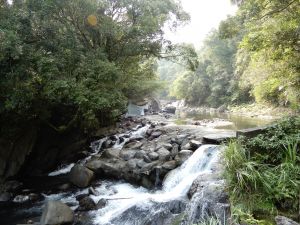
96	146
175	186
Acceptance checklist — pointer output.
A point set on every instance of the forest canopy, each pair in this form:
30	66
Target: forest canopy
252	56
76	62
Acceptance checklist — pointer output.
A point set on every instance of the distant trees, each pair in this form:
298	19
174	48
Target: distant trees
253	55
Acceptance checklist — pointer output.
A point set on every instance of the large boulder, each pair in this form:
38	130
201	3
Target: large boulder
281	220
182	156
81	176
56	213
164	154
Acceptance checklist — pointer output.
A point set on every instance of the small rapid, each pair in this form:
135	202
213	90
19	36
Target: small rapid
96	147
128	204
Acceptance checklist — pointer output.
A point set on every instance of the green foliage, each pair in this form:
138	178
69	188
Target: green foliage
76	62
253	55
214	82
263	173
272	69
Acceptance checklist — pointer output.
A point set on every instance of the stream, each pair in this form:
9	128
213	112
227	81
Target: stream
129	204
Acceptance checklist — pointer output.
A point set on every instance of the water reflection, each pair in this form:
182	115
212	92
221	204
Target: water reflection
238	122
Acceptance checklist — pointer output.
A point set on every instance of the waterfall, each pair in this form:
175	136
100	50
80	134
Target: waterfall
132	205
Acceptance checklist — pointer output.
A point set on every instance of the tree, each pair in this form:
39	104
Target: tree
74	63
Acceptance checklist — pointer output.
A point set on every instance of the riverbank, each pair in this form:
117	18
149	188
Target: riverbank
256	110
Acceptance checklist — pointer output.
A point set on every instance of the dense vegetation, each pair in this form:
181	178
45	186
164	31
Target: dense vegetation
251	56
263	174
74	63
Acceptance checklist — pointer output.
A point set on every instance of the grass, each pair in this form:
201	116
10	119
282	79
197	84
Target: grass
263	174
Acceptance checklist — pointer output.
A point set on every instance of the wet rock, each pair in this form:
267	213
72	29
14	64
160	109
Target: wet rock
92	191
195	144
81	176
107	143
131	164
56	213
86	204
170	165
5	197
167	146
181	139
81	196
101	203
153	156
141	163
134	145
186	147
164	154
183	155
127	154
175	150
64	187
149	132
155	134
147	159
218	138
281	220
139	154
112	153
252	132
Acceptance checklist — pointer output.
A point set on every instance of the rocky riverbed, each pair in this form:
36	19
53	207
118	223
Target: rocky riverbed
151	171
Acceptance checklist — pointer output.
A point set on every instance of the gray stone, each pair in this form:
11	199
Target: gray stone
170	165
175	150
111	153
186	147
218	138
134	145
164	154
156	134
127	154
56	213
147	159
153	155
5	197
281	220
195	144
183	155
139	154
81	176
86	204
141	163
167	146
252	132
131	164
101	203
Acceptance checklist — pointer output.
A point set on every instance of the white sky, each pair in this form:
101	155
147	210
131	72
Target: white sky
205	15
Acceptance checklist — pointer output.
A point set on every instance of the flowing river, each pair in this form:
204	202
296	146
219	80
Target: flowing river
128	204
